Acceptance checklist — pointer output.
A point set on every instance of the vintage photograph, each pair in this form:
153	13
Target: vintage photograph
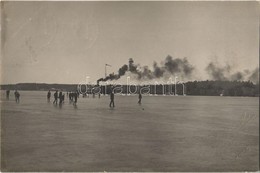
129	86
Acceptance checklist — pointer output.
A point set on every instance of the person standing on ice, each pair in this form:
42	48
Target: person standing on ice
60	97
63	98
140	98
75	98
112	99
7	94
70	96
55	97
49	96
17	96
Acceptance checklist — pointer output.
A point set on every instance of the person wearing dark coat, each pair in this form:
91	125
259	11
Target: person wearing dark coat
17	96
55	97
7	94
49	96
112	96
140	98
60	97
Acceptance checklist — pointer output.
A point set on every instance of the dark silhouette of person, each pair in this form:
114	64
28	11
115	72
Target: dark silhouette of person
112	99
140	98
17	96
55	97
77	92
63	98
49	96
60	97
7	94
75	98
70	96
99	95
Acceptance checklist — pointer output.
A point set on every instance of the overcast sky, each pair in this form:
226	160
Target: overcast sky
63	42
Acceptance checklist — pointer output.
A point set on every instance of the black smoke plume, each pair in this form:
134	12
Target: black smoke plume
237	76
217	72
113	76
223	73
158	72
122	70
178	66
169	65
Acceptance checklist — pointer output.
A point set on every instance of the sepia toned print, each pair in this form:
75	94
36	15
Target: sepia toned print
129	86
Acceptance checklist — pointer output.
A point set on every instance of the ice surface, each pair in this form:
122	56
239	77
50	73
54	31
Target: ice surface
165	133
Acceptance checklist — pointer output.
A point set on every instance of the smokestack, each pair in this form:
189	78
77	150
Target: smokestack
131	61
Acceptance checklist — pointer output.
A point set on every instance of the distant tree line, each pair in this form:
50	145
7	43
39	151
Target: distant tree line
204	88
227	88
39	87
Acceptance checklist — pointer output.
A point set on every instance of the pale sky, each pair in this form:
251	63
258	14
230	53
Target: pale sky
63	42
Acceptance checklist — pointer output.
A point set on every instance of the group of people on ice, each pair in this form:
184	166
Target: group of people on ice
112	98
73	97
16	95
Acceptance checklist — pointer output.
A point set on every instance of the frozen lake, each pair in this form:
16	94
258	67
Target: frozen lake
165	133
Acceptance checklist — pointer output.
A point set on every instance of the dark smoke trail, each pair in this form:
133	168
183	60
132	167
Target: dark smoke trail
237	76
216	72
170	65
122	70
135	69
158	72
147	73
187	68
178	66
254	77
113	76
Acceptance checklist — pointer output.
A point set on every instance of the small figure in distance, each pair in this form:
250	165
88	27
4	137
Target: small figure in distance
112	99
140	98
63	98
70	97
77	92
48	96
75	98
17	96
7	94
60	97
55	97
